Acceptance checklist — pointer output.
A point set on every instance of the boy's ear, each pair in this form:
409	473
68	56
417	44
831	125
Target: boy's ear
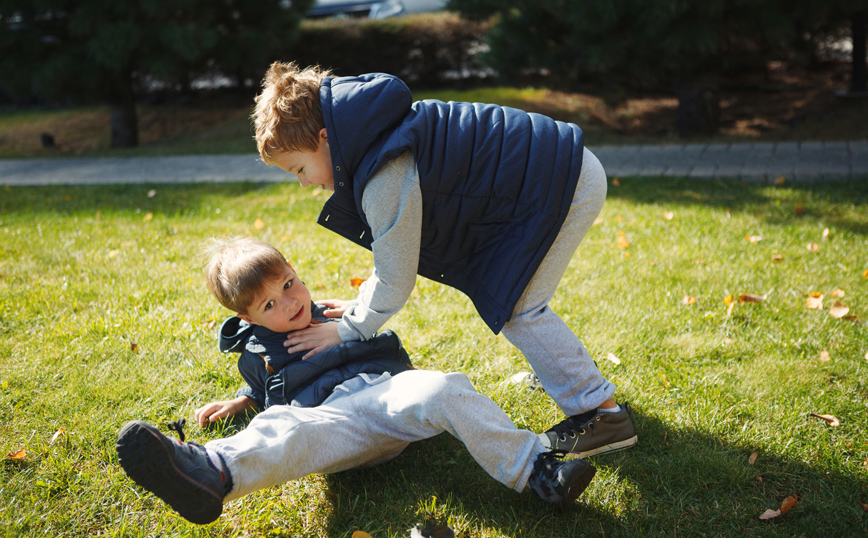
323	133
246	318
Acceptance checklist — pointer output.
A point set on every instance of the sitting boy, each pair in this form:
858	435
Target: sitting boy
355	404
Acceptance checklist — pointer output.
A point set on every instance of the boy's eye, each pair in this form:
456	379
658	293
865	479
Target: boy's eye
288	284
269	304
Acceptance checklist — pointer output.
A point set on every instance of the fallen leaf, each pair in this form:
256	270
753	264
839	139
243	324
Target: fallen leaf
622	242
825	233
750	298
788	503
616	182
56	436
865	273
753	238
863	505
152	193
727	300
613	358
800	210
148	216
134	346
777	257
824	356
668	215
813	247
770	514
113	253
834	422
728	341
361	534
619	219
838	293
814	300
285	239
753	457
258	224
628	255
621	233
356	282
838	309
19	454
689	300
780	180
598	221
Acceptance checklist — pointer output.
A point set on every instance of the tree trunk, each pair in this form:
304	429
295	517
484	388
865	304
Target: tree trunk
859	80
124	121
698	107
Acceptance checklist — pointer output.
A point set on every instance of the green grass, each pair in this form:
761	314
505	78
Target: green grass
87	272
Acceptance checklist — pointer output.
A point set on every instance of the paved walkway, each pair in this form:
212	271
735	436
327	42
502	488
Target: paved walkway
755	163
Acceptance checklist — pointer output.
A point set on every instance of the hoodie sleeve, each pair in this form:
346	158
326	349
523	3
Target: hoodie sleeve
393	203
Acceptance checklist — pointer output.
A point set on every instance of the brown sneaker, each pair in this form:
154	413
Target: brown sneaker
592	433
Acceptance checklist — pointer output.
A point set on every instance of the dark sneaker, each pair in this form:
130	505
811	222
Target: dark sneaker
593	433
559	482
179	473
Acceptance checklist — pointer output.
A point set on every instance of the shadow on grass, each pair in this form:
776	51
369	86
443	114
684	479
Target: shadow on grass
803	201
674	483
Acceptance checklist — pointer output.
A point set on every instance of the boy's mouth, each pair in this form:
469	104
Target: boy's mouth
298	314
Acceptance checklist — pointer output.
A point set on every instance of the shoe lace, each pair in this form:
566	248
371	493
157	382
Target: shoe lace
575	424
544	461
178	426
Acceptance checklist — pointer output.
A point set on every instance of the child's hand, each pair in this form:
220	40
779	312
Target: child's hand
336	307
215	411
316	338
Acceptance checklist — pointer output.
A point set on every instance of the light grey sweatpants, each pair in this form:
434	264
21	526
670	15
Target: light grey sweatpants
371	420
552	349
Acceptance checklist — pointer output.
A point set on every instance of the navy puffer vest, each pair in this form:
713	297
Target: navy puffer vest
496	182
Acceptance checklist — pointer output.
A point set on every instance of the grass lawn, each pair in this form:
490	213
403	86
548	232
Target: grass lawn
104	318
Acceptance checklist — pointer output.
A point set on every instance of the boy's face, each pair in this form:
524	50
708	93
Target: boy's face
283	305
311	167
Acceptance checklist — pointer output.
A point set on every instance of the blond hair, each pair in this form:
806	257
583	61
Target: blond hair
288	114
238	268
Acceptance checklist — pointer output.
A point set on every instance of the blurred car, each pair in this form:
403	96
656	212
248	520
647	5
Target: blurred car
374	9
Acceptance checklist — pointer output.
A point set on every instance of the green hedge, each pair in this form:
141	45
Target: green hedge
426	50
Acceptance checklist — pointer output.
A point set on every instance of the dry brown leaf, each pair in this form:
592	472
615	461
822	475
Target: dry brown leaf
689	300
753	238
622	242
838	310
613	358
752	458
356	282
598	221
788	503
800	210
134	346
838	293
19	454
780	180
148	216
813	247
750	298
258	224
824	356
814	300
777	257
770	514
627	255
668	215
56	436
361	534
826	233
616	182
865	273
863	505
830	419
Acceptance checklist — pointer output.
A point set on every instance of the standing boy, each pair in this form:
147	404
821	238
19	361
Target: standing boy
490	200
352	405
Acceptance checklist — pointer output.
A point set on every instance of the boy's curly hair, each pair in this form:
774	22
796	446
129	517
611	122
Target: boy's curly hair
237	269
288	114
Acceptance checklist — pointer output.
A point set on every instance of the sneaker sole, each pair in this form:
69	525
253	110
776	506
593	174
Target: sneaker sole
581	479
605	449
148	462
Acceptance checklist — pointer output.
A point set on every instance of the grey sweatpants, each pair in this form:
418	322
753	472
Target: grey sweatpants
552	349
371	420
